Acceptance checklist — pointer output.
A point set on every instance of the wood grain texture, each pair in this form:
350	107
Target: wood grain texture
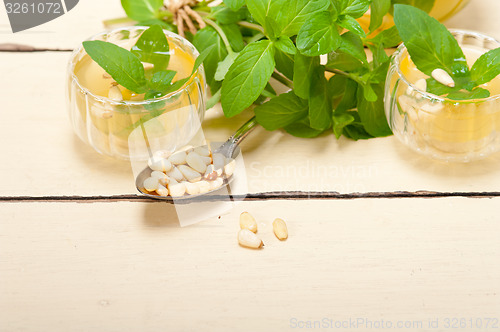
42	157
129	267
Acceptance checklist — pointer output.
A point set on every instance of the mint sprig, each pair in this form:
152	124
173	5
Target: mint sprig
124	67
253	42
431	46
152	47
127	69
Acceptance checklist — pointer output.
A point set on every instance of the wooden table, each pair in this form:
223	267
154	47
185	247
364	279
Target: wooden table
392	237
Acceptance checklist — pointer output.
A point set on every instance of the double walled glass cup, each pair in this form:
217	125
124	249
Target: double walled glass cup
112	127
438	127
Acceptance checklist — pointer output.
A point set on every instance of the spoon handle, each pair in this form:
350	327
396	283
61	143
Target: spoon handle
232	143
243	131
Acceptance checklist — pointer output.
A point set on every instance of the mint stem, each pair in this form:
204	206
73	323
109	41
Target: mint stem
282	79
255	38
353	77
251	26
221	34
267	94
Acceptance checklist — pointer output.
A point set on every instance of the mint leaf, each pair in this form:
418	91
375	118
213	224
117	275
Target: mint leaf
286	45
197	63
247	77
477	93
344	93
349	23
271	29
340	121
284	63
225	15
388	38
378	10
204	39
353	45
343	61
224	65
429	43
152	47
372	113
486	68
379	56
356	131
234	4
233	34
425	5
123	66
439	89
260	9
302	128
302	74
297	12
141	10
354	8
320	107
161	80
281	111
318	35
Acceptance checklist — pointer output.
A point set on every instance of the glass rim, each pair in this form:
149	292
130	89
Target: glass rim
168	96
401	48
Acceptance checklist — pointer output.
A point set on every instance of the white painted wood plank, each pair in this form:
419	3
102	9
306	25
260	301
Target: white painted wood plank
129	267
42	156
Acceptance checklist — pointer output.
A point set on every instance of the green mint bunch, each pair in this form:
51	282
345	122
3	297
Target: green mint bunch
431	46
283	40
251	43
126	67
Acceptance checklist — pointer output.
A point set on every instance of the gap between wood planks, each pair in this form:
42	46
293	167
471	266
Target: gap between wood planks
10	47
289	195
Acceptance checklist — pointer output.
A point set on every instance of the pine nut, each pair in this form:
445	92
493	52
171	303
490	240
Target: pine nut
162	190
421	84
178	158
204	186
217	183
147	66
189	174
247	221
159	164
280	229
151	184
177	189
248	239
175	174
211	173
192	188
115	94
218	161
202	151
443	77
194	160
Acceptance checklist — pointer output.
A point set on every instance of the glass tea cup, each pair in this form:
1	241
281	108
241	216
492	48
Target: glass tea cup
440	128
111	127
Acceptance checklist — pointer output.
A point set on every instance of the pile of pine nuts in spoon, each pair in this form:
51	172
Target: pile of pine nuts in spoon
191	171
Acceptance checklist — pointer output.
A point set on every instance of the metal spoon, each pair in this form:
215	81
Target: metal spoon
229	149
